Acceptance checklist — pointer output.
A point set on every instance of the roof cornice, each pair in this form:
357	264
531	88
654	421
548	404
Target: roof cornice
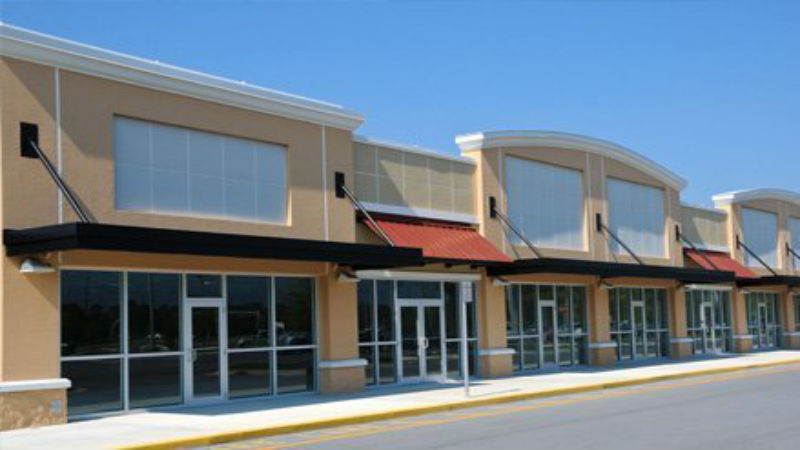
746	195
44	49
535	138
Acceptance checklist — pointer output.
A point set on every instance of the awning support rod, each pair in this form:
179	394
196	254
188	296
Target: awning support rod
494	213
682	238
342	191
792	252
601	227
72	199
741	245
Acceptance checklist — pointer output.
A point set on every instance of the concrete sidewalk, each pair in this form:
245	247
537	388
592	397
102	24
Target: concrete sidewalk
187	426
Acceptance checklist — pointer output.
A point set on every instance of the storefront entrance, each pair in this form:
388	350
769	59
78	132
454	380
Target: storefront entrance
205	362
638	318
708	317
546	325
762	319
421	339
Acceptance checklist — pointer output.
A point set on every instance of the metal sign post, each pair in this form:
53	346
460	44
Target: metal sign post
465	297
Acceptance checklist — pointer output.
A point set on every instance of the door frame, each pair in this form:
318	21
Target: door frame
420	305
542	304
188	362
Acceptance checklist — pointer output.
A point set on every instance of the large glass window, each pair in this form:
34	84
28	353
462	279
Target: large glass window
546	325
174	170
452	318
708	320
131	356
377	342
760	230
636	216
546	202
639	322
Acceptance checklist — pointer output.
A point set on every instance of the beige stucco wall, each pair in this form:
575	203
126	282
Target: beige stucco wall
596	170
32	408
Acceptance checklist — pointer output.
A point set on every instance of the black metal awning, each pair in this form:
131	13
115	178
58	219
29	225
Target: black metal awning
604	269
775	280
94	236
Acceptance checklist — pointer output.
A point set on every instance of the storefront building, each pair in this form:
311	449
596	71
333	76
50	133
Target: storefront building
173	239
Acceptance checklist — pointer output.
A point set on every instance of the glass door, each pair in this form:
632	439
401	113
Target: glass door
205	368
707	322
639	348
421	337
763	328
547	316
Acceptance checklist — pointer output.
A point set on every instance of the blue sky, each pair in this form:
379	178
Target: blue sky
710	89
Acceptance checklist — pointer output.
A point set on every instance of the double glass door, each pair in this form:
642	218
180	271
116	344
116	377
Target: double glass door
205	366
638	319
762	319
708	320
421	339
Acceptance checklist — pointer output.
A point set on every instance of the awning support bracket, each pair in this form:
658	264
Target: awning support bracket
601	227
742	245
681	238
29	148
494	213
342	191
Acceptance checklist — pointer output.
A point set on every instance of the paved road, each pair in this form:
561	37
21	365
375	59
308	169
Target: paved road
751	410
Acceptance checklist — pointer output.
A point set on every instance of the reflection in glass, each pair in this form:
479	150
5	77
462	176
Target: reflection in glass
203	285
294	306
96	386
366	303
248	374
419	289
248	311
386	311
295	371
410	343
530	353
205	352
433	341
388	363
153	312
529	309
155	381
367	352
90	312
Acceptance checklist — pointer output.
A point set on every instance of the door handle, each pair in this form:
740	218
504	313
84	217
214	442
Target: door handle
194	355
425	343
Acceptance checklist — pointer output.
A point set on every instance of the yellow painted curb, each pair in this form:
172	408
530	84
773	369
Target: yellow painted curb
228	436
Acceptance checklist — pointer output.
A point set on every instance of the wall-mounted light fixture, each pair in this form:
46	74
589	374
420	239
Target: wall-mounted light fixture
346	276
34	266
500	281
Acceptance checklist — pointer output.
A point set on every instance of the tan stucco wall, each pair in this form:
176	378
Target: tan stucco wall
596	170
32	409
491	317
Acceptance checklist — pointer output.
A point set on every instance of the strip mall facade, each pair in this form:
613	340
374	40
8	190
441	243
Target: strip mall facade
173	238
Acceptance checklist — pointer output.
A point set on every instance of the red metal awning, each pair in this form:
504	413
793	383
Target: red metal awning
440	240
721	260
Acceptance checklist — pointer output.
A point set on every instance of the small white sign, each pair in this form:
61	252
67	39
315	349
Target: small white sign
466	291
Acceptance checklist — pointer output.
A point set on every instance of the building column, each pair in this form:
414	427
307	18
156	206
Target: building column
742	340
602	350
495	358
340	368
31	392
791	337
680	344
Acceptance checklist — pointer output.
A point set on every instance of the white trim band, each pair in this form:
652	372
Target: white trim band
708	287
792	333
555	139
34	385
342	363
681	340
602	345
49	50
496	351
415	276
748	195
